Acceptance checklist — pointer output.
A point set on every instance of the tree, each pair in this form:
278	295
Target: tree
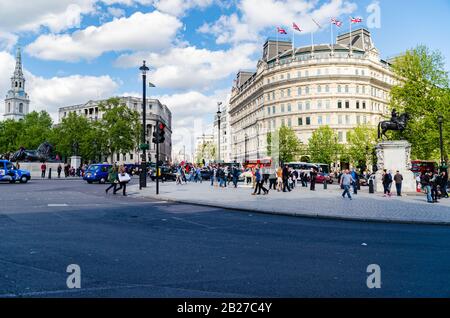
120	126
73	129
289	144
361	141
10	131
424	93
36	128
323	146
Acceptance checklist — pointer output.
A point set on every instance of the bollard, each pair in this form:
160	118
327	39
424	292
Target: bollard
325	184
50	173
371	189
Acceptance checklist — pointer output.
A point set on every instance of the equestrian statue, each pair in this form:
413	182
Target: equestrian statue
397	123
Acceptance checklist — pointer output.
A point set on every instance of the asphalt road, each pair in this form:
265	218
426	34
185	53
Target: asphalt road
130	247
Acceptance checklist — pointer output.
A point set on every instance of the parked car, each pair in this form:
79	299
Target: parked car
9	173
97	173
321	177
206	174
166	174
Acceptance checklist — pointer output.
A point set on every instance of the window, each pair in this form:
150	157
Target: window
273	110
118	157
339	104
364	105
306	73
21	108
307	90
282	122
289	92
347	104
340	136
327	104
319	71
273	95
281	76
319	120
282	108
300	121
357	104
364	90
289	122
289	76
299	91
308	105
268	110
340	119
319	104
299	74
347	119
328	119
268	97
357	72
289	108
357	89
327	88
124	157
308	120
339	89
282	93
299	106
319	89
346	89
358	120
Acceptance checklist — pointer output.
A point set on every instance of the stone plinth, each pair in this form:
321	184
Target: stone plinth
392	156
75	161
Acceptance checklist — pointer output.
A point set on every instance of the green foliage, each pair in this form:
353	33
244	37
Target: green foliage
289	144
360	142
323	146
207	151
424	94
120	126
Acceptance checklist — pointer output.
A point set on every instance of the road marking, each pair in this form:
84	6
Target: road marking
57	204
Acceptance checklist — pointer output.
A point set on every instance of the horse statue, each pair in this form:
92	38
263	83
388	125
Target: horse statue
397	123
42	153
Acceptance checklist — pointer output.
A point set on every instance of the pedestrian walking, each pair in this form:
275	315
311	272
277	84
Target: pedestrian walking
279	179
355	181
398	179
259	182
444	184
113	179
272	179
285	179
235	174
387	181
346	181
43	170
313	175
426	186
124	178
59	169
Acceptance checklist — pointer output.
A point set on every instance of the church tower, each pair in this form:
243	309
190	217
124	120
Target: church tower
17	102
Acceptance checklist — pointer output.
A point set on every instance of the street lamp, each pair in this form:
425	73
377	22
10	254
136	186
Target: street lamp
441	140
245	147
219	113
144	146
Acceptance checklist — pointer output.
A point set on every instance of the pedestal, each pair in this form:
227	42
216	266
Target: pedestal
392	156
75	161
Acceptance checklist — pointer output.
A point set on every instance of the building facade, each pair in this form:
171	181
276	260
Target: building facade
307	88
155	112
17	102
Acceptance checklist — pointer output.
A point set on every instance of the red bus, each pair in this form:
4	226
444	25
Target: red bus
263	163
422	166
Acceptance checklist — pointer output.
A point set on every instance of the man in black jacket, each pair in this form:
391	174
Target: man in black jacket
313	175
285	178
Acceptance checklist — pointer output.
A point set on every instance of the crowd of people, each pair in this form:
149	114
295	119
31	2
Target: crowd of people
69	171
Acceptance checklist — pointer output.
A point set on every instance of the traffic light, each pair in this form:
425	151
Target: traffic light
158	134
162	132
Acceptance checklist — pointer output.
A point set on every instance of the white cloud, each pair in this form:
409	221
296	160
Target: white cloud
52	93
57	15
256	16
6	69
173	7
116	12
190	67
150	31
7	40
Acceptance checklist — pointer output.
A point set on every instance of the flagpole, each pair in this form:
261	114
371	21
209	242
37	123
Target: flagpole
312	43
332	41
276	53
350	37
293	42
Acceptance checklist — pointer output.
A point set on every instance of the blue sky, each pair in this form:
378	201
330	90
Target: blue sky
77	50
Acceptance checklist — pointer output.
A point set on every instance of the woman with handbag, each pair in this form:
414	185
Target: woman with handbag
124	178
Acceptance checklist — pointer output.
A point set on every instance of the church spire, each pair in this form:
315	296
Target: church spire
18	73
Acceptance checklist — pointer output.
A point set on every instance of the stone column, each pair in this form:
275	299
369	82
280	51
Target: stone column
75	161
392	156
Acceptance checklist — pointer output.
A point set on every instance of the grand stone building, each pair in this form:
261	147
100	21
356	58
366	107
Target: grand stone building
17	102
155	112
331	84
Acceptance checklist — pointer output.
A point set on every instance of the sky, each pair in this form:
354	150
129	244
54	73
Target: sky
80	50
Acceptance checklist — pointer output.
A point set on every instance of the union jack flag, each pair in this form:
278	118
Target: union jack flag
336	22
281	30
296	27
356	20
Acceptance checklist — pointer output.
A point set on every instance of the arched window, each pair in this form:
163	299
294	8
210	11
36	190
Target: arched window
21	108
16	84
8	107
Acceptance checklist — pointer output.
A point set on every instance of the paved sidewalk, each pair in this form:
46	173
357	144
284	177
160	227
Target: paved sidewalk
303	202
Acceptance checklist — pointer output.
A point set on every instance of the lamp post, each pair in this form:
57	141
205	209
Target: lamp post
245	147
441	140
219	113
143	176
